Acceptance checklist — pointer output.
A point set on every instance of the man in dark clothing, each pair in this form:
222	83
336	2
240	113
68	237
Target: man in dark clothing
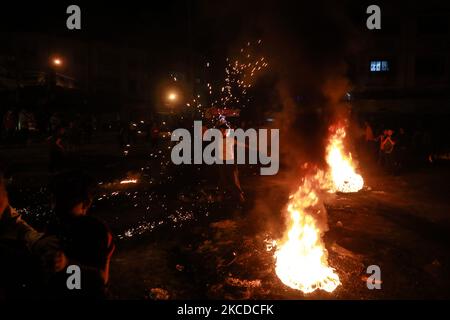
387	151
229	180
85	240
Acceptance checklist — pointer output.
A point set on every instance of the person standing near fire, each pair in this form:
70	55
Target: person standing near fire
386	149
34	263
84	239
228	173
368	143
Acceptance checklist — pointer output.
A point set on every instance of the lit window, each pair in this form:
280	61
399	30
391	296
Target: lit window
379	66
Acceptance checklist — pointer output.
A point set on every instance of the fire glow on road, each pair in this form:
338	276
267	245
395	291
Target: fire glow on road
301	257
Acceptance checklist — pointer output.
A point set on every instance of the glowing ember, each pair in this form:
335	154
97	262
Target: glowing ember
128	181
343	174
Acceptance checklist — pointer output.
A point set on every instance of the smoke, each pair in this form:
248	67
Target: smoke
308	46
309	50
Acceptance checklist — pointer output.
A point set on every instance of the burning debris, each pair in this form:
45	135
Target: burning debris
127	181
158	294
235	282
342	168
301	258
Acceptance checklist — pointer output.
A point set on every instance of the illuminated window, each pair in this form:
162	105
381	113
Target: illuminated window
379	66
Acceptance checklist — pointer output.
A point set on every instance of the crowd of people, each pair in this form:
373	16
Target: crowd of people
61	133
34	263
24	126
395	149
17	127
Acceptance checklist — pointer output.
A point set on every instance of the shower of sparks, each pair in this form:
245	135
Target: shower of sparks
239	76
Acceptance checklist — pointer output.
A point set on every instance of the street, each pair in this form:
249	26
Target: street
177	239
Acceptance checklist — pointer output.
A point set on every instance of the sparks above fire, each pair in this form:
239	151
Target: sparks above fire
301	257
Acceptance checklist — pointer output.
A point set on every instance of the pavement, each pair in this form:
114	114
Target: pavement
175	240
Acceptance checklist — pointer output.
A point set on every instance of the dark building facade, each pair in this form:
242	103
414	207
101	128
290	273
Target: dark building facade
405	66
111	77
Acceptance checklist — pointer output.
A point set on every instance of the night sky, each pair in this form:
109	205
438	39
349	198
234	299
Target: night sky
208	27
314	39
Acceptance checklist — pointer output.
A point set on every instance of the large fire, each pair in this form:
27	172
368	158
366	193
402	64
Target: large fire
301	259
342	168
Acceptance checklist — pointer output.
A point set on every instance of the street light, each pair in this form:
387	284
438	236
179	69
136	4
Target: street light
57	62
172	96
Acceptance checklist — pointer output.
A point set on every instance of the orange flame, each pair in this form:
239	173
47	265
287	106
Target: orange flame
127	181
301	261
342	168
